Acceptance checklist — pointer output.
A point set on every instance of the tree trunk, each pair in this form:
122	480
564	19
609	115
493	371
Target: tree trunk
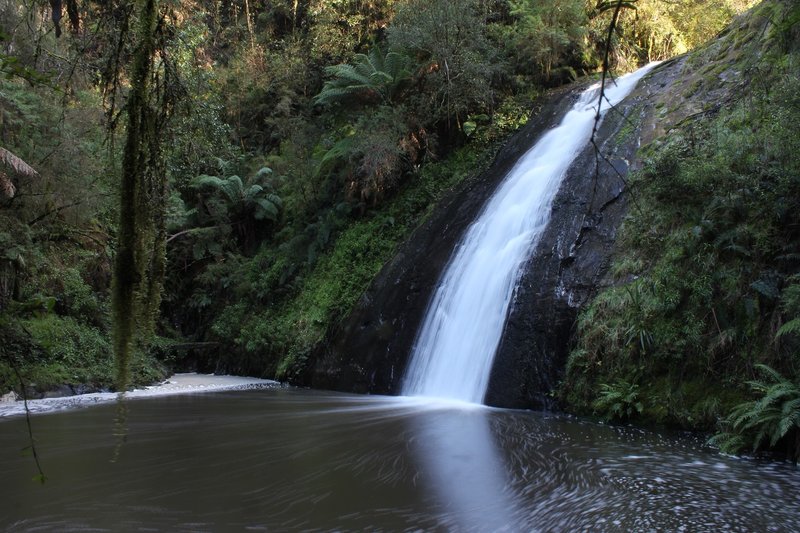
130	258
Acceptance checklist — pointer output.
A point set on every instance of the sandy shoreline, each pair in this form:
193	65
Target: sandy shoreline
176	384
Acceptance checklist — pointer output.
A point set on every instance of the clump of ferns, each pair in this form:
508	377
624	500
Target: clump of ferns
765	422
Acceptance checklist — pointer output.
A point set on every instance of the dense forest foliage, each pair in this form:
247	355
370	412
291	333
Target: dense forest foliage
292	145
704	310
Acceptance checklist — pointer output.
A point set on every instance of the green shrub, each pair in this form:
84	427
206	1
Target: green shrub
53	350
83	351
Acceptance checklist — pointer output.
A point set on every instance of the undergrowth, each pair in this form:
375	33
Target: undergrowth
291	293
705	291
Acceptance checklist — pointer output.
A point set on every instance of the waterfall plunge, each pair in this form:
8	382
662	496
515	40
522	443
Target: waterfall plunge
454	350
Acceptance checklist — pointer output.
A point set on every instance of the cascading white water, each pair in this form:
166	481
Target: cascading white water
455	347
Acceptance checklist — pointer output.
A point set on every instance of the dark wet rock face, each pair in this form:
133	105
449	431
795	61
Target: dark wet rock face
369	353
571	259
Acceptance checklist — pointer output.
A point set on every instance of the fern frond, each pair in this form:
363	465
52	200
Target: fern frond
770	373
788	421
380	78
791	327
252	192
779	392
791	410
263	172
790	297
331	94
764	431
266	209
363	66
743	414
353	75
233	188
728	442
275	199
341	90
376	58
339	151
397	66
205	180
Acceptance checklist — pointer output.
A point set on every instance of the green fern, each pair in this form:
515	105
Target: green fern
618	401
791	327
374	77
765	421
240	199
340	151
790	303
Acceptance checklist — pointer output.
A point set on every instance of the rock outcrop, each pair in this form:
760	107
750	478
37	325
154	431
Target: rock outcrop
370	351
570	261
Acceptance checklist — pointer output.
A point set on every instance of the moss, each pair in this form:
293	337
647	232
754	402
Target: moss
630	126
139	264
51	350
693	88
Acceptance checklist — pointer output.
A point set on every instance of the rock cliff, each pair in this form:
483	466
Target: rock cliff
369	352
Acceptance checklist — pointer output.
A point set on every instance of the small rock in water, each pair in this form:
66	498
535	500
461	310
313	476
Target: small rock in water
10	397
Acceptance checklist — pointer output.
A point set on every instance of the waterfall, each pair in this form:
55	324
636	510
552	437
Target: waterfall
453	352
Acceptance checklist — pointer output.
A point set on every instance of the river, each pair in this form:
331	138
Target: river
283	459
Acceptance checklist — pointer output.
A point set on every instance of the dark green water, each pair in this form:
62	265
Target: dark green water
288	460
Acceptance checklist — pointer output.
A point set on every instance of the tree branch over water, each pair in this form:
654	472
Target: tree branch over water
601	7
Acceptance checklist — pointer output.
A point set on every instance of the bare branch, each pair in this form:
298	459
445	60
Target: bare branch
54	211
196	230
606	73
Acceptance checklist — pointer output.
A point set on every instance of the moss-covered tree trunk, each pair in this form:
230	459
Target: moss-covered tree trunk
139	253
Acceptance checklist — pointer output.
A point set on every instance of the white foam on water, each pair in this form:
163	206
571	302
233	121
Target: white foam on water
189	383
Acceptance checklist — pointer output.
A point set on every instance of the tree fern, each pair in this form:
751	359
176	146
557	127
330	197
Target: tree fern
373	77
242	201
